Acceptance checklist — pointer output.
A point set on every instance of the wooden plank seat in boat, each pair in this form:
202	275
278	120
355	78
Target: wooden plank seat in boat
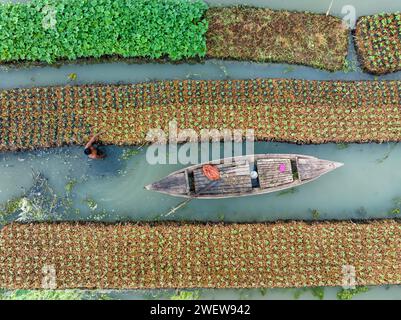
311	168
234	178
270	175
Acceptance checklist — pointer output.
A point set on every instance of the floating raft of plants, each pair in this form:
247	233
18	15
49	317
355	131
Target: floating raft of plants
378	42
47	31
281	110
258	34
180	255
57	31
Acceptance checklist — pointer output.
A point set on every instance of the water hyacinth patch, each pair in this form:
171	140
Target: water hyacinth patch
50	30
378	42
186	255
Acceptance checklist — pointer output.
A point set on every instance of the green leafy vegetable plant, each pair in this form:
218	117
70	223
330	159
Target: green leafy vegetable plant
51	30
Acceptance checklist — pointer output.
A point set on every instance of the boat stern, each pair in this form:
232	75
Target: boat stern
175	184
149	187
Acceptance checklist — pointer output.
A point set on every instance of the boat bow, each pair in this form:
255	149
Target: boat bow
312	168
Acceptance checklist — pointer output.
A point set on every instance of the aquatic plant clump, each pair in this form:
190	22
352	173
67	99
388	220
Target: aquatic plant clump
378	42
279	110
43	295
265	35
39	203
50	30
183	255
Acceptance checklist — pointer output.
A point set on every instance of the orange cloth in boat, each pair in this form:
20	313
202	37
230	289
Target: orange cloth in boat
211	172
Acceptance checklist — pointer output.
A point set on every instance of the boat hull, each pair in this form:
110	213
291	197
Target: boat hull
309	168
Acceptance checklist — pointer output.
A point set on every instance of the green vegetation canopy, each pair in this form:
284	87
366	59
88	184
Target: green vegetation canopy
48	30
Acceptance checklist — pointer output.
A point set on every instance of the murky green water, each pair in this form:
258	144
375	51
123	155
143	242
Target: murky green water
368	293
373	293
368	186
385	292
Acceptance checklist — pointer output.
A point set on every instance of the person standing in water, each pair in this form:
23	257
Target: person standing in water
91	151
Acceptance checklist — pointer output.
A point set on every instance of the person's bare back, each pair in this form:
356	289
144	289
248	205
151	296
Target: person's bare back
93	152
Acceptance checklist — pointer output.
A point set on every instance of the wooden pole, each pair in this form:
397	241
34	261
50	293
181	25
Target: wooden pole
182	204
328	10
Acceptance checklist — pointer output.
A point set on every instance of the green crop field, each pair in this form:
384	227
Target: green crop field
378	42
181	255
58	31
277	109
47	31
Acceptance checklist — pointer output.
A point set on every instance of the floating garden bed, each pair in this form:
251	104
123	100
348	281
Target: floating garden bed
47	31
378	42
173	255
257	34
297	111
61	31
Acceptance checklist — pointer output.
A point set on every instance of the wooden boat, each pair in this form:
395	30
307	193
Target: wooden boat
274	172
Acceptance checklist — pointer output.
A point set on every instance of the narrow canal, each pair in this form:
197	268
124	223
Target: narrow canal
367	186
